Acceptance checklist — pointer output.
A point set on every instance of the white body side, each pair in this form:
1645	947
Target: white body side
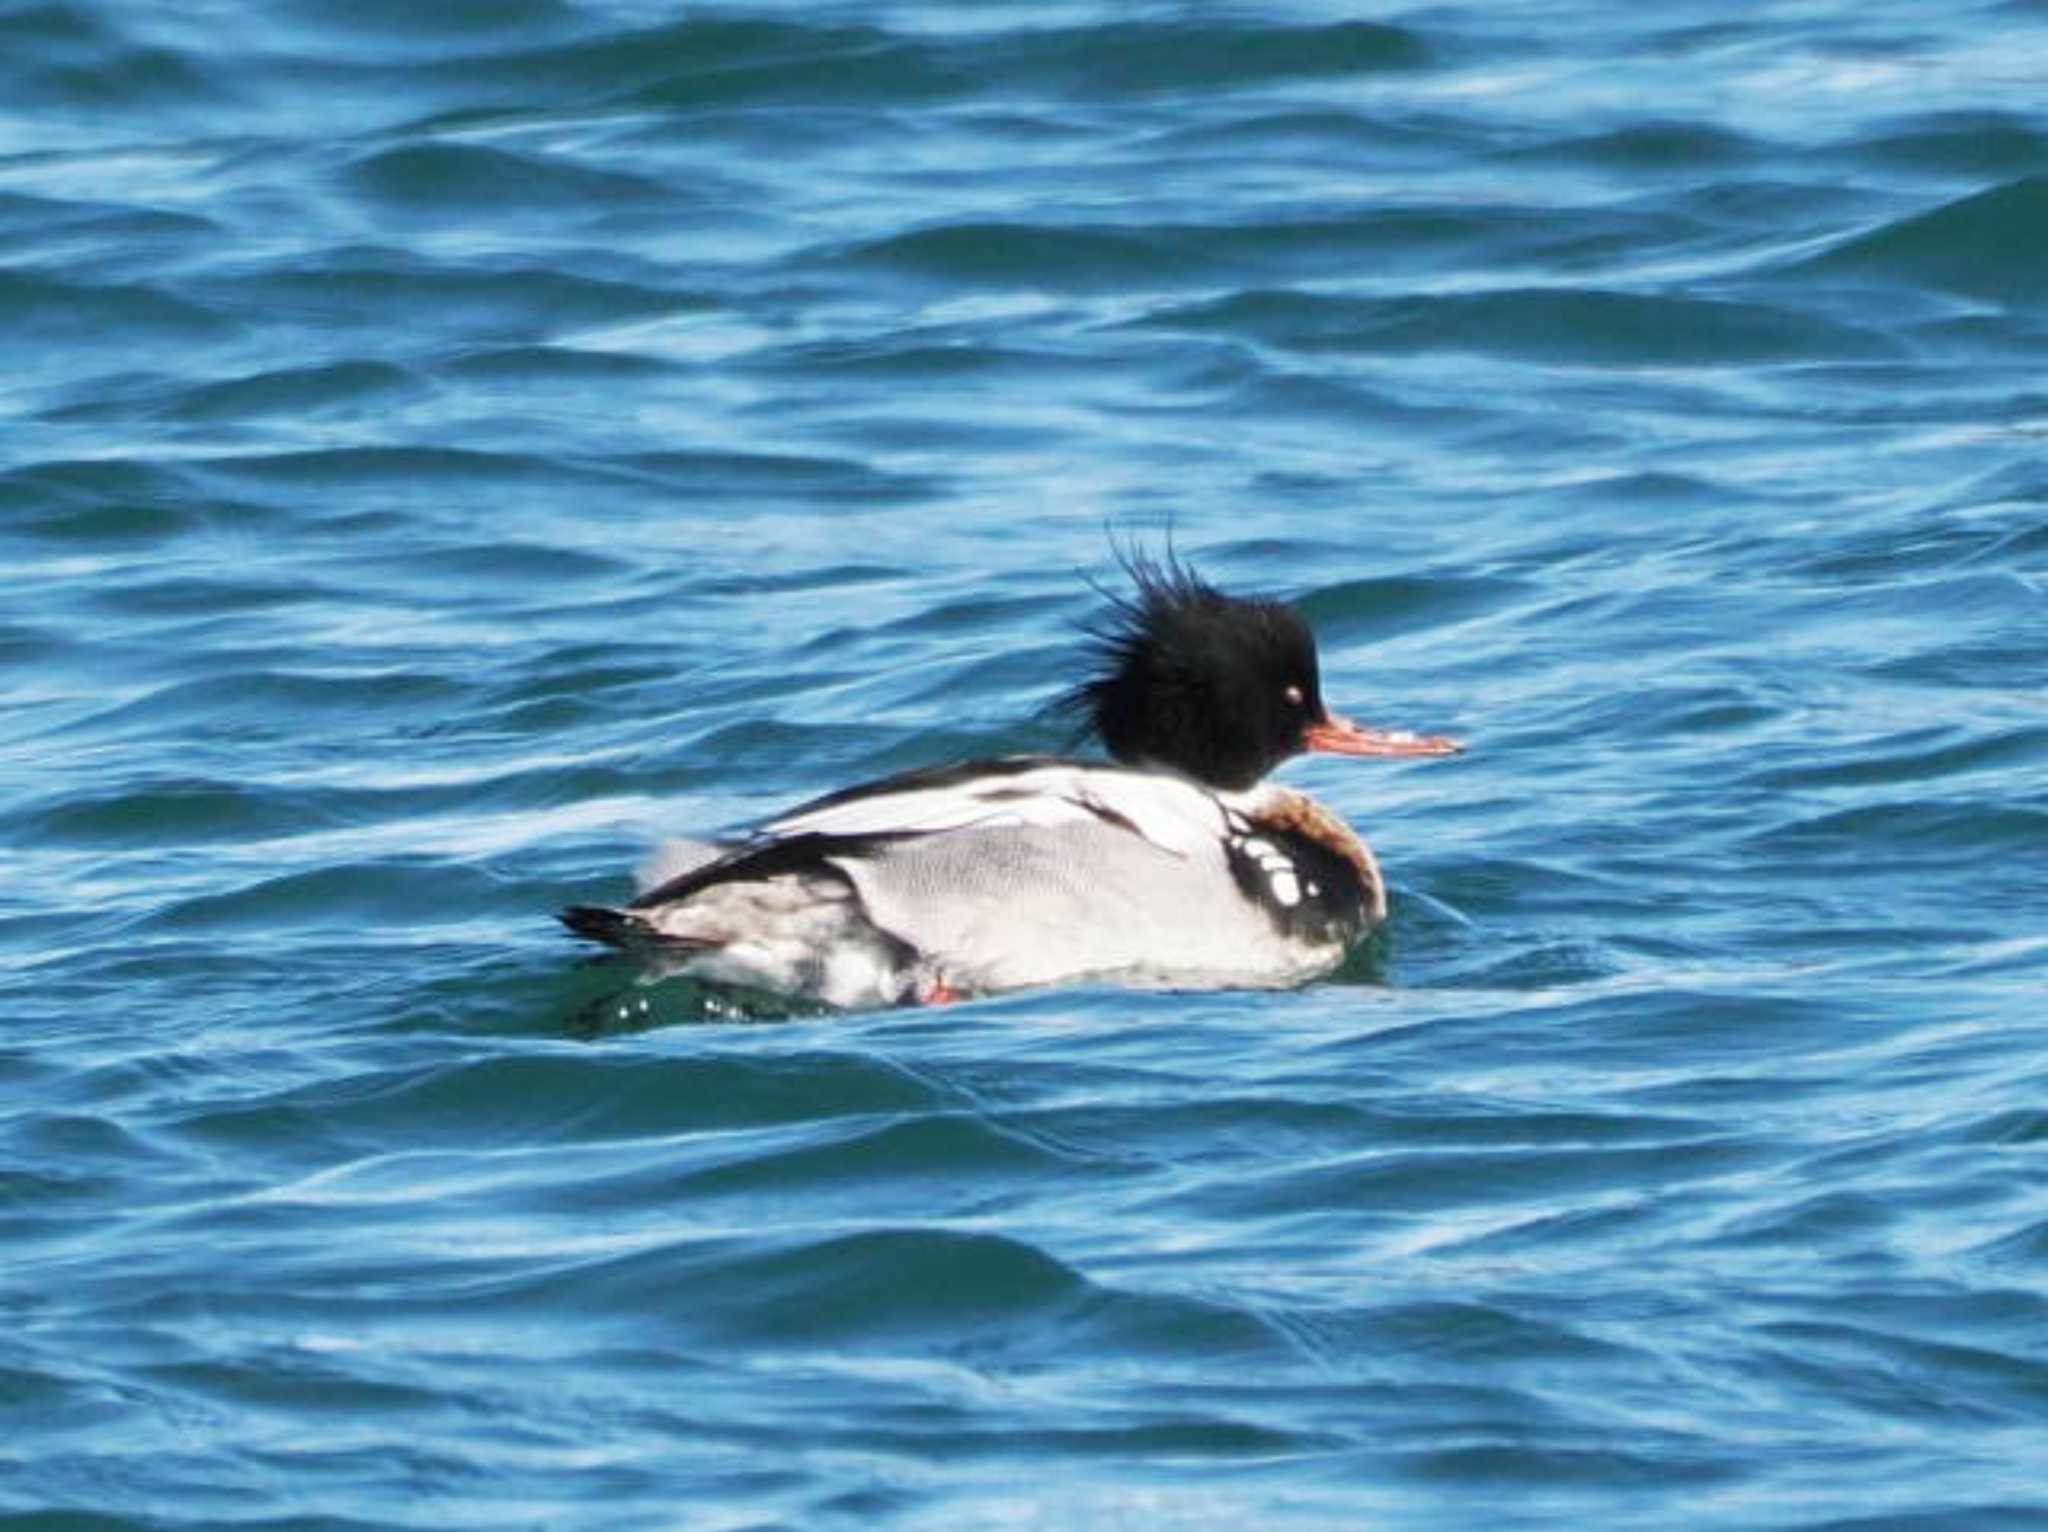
1034	875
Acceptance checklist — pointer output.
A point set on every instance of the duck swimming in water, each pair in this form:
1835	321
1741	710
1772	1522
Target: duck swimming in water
1172	865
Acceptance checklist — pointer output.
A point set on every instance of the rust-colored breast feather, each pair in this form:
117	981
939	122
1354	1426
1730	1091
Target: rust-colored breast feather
1289	810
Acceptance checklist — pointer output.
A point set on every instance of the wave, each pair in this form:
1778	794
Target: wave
1980	245
1570	325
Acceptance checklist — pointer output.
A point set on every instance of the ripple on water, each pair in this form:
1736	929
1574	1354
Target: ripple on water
51	314
578	1097
1070	258
1973	245
1584	326
378	299
454	182
298	393
2004	145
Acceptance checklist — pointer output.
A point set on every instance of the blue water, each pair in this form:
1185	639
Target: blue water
446	447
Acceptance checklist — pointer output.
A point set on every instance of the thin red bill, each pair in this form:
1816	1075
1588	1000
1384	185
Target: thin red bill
1340	736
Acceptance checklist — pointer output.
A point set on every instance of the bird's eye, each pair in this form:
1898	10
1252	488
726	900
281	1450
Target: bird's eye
1294	696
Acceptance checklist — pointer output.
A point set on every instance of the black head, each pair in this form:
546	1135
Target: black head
1219	688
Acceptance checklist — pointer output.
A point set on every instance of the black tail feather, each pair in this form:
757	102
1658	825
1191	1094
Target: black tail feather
602	923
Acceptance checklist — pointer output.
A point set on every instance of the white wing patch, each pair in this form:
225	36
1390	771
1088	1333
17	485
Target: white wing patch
1278	868
1173	814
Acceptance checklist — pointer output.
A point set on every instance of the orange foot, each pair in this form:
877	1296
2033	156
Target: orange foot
939	992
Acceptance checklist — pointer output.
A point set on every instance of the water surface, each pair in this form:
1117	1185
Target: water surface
446	448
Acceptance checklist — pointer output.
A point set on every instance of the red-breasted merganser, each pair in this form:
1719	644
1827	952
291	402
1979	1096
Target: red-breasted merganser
1174	865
